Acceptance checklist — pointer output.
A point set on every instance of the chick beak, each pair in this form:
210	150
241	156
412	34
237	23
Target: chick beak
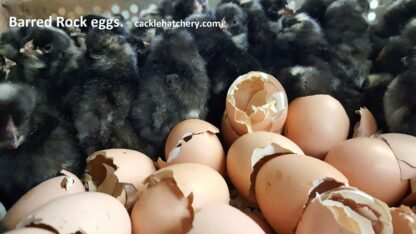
12	134
9	64
404	61
146	44
29	49
224	25
197	7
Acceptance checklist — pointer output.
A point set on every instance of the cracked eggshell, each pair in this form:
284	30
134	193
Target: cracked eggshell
206	184
40	195
118	172
162	208
370	165
316	124
256	101
404	220
248	150
404	149
345	210
222	218
89	212
29	231
367	126
283	185
194	141
229	135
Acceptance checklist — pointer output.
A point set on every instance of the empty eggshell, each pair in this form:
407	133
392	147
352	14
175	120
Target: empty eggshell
229	135
316	124
222	218
283	186
89	212
256	101
367	126
370	165
29	231
345	210
119	172
186	140
162	208
404	220
250	149
42	194
206	184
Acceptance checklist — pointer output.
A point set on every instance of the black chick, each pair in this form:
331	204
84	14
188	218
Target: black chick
35	144
180	9
274	9
233	23
224	63
174	87
400	101
50	61
5	67
107	95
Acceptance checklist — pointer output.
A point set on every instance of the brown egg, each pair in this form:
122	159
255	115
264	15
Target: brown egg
316	124
41	195
256	101
250	149
89	212
370	165
345	210
29	231
162	208
404	220
283	186
186	140
367	126
222	218
206	184
229	135
119	172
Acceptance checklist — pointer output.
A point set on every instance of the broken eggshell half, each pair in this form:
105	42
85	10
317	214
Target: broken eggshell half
194	141
367	126
345	210
40	195
250	149
120	173
256	101
404	220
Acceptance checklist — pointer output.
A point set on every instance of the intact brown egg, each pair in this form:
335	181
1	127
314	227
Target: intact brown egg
41	195
370	165
194	141
345	210
316	124
88	212
283	186
119	172
256	101
250	149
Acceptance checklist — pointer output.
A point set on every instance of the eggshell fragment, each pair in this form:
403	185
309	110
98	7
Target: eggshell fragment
316	124
367	126
206	184
222	218
89	212
186	140
404	220
370	165
250	149
404	149
229	135
120	173
42	194
345	210
256	101
162	208
29	231
283	185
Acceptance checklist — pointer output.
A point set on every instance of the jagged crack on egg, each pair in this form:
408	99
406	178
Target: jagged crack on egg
367	126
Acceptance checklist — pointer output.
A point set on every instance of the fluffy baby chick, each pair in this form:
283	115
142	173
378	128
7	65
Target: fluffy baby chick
180	9
174	87
400	101
5	67
233	23
34	143
317	8
274	9
106	97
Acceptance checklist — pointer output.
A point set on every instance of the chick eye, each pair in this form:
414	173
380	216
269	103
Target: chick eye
235	22
47	48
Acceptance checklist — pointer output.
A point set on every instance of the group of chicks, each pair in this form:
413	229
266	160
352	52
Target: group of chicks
66	93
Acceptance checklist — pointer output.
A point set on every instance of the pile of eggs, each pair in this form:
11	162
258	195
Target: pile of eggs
288	168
